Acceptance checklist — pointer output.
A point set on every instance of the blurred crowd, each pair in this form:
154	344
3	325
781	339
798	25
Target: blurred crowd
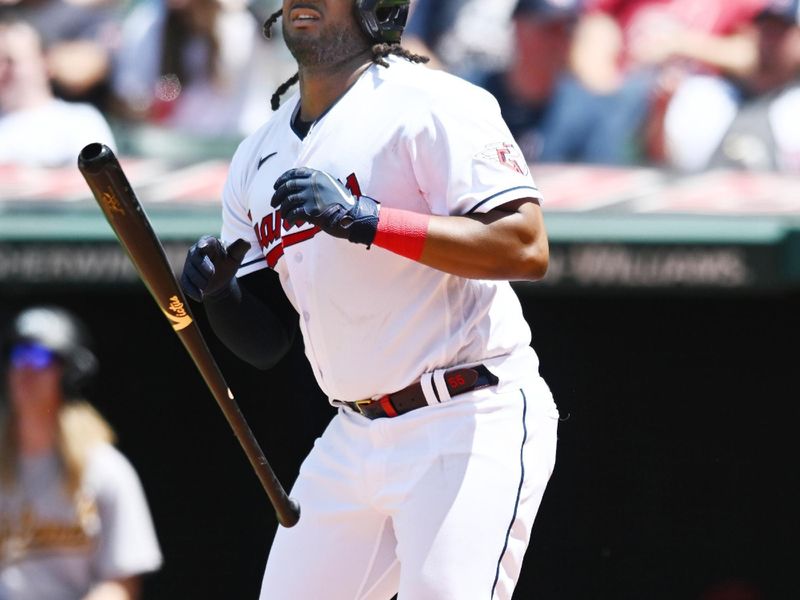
679	84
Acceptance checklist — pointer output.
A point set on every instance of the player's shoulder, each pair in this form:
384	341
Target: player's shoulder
419	86
242	160
278	119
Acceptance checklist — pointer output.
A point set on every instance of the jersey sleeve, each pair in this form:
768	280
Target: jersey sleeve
236	223
128	545
465	158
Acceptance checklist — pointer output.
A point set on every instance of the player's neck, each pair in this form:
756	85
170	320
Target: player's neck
320	87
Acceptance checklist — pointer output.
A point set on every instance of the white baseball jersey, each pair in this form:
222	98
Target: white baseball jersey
411	138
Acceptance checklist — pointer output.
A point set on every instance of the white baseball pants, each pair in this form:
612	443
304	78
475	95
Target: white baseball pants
436	504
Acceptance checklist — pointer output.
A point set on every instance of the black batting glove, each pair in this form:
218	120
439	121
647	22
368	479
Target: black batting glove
210	268
309	196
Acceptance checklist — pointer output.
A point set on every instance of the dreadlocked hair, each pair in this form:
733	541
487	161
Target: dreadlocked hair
379	54
271	20
381	51
282	88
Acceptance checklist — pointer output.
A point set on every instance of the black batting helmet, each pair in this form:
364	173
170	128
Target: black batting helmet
63	334
383	20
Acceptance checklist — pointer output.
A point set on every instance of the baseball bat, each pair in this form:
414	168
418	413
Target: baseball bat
110	187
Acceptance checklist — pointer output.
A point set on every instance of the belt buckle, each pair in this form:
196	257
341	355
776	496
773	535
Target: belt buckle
360	403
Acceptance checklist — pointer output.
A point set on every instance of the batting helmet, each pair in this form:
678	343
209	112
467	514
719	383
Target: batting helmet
61	333
383	20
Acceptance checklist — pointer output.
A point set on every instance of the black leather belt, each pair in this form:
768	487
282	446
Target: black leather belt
458	381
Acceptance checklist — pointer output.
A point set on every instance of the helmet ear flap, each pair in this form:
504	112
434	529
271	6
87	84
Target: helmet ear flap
383	20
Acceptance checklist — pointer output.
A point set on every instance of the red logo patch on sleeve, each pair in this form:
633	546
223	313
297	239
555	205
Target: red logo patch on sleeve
506	154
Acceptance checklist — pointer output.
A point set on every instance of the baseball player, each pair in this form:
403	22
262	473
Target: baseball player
382	210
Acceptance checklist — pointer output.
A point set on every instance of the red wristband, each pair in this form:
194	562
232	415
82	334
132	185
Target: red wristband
402	232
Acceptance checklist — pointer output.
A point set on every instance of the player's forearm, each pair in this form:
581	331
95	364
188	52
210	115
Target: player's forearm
249	328
506	244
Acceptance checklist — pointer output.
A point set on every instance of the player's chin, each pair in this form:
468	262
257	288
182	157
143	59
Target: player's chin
304	39
304	31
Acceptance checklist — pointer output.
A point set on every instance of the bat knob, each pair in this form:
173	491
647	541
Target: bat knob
291	516
94	157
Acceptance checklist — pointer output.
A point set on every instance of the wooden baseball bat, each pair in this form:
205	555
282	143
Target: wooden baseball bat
102	171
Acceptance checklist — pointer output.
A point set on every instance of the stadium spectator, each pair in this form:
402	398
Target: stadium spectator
466	37
74	521
79	37
190	66
746	122
627	53
541	34
36	128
